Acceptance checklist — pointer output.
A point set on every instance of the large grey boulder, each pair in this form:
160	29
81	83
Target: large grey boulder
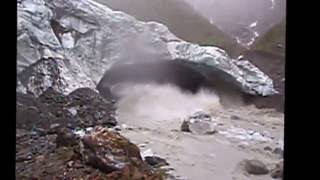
91	38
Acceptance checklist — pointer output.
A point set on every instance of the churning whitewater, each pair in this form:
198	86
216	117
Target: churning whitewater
151	116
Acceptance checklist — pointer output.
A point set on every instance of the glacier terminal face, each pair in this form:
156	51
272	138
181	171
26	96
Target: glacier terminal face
89	38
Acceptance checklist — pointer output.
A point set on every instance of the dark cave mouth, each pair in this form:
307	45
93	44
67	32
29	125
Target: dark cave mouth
183	75
179	73
176	73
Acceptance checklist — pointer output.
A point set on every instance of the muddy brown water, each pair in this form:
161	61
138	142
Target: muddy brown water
155	112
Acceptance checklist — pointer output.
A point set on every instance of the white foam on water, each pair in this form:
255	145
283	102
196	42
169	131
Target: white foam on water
153	102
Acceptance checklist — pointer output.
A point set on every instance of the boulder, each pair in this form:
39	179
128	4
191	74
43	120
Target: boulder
278	150
86	104
277	171
113	154
156	161
66	138
185	126
199	122
108	151
256	167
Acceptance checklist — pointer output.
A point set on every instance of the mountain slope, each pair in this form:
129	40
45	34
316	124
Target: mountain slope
273	41
242	19
268	54
181	19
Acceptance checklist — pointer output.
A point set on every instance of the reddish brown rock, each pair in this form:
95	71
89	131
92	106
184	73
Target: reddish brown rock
112	153
100	155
